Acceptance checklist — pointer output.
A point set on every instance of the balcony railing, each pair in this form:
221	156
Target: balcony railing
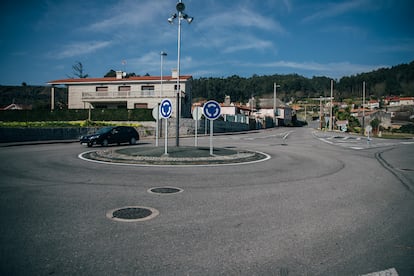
128	94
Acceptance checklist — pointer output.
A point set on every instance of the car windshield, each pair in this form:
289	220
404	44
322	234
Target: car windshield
104	130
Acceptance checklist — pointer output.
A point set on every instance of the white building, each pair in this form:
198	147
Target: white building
127	92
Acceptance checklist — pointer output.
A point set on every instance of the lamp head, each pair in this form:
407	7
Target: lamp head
171	19
189	19
180	7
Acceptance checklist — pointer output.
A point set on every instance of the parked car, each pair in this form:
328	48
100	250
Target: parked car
111	135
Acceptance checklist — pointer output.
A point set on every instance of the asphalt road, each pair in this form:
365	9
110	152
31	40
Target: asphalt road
320	206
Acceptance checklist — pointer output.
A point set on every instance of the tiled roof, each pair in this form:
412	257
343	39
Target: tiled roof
115	80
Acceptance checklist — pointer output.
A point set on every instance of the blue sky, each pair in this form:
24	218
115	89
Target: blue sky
41	40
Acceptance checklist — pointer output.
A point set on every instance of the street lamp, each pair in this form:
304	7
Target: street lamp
275	86
163	54
181	15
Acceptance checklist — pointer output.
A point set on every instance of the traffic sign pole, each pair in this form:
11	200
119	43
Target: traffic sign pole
165	112
157	128
156	116
211	136
197	112
212	111
166	137
196	130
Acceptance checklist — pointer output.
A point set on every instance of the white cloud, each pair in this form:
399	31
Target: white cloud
334	69
332	10
80	48
128	13
248	45
241	17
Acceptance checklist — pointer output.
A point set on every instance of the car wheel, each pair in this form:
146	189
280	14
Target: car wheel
133	141
105	143
90	144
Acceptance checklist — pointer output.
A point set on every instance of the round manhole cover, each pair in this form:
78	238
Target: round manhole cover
165	190
132	213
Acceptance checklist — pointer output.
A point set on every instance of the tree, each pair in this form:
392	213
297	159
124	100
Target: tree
110	74
78	70
375	123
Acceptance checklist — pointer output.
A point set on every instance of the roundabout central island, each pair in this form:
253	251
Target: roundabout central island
177	156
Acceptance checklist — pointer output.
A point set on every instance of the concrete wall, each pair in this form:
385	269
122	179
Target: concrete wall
40	134
187	127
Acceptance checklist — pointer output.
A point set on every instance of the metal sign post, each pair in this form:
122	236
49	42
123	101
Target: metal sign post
368	130
156	116
212	111
197	112
165	112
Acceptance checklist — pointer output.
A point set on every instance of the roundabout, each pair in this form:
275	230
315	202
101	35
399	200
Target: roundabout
177	156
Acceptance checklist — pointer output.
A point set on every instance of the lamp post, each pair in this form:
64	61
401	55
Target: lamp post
180	7
275	86
163	54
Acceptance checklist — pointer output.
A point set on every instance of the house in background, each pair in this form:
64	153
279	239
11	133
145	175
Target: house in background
127	92
373	104
407	101
235	112
283	113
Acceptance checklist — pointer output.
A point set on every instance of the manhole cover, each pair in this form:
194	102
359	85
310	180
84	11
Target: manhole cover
132	213
165	190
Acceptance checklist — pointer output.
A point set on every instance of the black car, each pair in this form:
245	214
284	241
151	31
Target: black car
111	135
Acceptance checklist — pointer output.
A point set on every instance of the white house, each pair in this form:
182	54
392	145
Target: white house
283	113
127	92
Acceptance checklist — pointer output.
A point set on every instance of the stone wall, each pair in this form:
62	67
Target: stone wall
187	127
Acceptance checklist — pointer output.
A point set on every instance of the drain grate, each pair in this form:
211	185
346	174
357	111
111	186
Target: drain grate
165	190
132	213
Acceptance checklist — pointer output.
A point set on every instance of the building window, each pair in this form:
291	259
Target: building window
124	88
141	105
147	90
102	89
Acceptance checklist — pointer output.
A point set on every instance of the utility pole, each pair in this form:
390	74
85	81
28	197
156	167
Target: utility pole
275	121
363	107
330	115
320	112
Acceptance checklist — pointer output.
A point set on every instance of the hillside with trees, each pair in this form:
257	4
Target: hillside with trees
397	80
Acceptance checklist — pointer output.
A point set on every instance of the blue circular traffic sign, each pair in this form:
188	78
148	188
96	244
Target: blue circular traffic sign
166	108
212	110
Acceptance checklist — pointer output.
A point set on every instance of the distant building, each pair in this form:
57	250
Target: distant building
283	113
373	104
407	101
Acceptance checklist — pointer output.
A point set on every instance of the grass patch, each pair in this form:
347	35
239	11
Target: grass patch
393	135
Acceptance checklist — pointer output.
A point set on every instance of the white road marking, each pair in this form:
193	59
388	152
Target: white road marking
407	143
388	272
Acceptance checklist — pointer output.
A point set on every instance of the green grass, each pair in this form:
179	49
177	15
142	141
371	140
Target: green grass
394	135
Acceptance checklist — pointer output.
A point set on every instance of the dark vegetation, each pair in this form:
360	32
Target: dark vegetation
397	80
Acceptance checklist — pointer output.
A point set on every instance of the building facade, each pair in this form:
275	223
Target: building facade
127	92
